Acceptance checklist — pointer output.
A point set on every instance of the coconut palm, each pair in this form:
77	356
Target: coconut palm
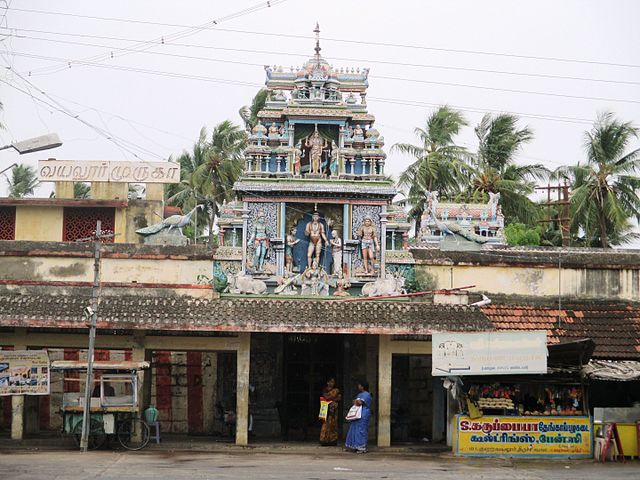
495	170
81	190
249	114
209	171
438	163
23	182
604	195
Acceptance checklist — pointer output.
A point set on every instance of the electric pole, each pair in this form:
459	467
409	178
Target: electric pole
92	315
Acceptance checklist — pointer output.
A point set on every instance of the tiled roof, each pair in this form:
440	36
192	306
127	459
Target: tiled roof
240	314
615	329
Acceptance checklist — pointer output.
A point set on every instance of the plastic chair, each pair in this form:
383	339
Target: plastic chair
151	417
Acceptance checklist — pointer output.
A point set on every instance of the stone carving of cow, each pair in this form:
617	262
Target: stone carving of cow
240	283
392	285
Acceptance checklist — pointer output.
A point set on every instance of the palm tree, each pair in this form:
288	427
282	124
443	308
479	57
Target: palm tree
604	198
209	171
439	164
495	170
81	190
248	114
24	180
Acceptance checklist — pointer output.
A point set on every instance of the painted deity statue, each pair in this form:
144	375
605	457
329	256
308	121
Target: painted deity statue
335	159
336	252
292	241
317	144
369	243
315	231
358	132
260	239
297	160
315	280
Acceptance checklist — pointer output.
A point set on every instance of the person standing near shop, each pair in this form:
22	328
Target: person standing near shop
329	431
358	436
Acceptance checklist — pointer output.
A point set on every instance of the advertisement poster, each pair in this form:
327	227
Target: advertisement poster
489	353
24	372
524	436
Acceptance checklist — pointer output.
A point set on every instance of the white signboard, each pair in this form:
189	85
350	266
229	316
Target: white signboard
489	353
106	171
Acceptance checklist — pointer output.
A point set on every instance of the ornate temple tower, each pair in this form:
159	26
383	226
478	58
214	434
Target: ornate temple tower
314	187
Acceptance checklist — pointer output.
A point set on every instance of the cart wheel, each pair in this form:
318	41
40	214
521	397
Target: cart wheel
133	434
97	437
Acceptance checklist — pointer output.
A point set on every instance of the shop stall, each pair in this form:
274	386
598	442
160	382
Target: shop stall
543	416
511	395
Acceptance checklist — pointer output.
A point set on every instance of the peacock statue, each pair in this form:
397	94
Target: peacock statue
174	221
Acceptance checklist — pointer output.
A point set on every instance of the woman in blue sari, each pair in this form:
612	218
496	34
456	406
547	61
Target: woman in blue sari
358	435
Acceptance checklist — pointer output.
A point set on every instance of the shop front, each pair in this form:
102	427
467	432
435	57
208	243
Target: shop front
510	395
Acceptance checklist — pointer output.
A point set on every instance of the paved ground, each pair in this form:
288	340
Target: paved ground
30	464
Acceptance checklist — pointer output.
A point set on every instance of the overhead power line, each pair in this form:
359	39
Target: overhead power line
57	106
169	43
341	40
380	99
188	29
70	63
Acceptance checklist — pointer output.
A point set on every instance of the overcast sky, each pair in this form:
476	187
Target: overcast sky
160	115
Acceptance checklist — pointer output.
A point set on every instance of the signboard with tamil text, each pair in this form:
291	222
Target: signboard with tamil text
489	353
24	372
107	171
540	436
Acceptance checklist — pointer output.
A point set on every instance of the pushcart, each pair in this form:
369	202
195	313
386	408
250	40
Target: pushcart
114	403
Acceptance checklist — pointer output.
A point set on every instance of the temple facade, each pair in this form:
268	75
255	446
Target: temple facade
314	200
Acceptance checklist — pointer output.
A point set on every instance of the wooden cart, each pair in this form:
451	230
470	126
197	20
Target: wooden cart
114	403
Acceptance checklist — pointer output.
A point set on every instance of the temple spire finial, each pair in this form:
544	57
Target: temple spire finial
317	49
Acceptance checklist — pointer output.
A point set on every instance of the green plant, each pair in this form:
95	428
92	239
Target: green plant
520	234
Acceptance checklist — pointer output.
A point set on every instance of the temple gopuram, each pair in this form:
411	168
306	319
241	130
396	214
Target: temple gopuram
314	201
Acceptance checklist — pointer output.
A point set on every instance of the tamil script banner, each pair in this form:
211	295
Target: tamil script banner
539	436
24	372
106	171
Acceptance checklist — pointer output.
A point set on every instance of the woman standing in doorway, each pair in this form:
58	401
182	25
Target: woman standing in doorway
329	432
358	436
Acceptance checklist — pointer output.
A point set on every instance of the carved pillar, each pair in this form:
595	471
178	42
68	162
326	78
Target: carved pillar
352	164
278	246
383	240
278	163
350	247
341	137
245	226
221	235
405	240
291	135
243	360
385	360
363	99
381	166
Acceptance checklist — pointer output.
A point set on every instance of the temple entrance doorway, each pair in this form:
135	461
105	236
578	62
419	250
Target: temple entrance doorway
309	360
417	401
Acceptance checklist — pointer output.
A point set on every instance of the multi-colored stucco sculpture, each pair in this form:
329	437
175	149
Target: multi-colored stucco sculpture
314	188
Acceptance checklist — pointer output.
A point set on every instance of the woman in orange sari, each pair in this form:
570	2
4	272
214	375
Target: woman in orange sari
329	432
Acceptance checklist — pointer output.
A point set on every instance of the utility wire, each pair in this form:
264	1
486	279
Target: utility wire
413	103
55	105
188	30
70	63
359	42
301	55
115	48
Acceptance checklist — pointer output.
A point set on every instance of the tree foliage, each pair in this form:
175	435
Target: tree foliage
520	234
604	187
23	181
249	114
438	163
495	170
208	173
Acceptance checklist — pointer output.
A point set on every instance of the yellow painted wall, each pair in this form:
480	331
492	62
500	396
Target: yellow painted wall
117	270
39	223
621	284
